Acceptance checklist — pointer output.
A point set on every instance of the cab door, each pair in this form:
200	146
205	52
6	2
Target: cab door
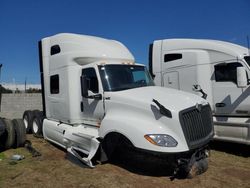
228	97
92	107
230	101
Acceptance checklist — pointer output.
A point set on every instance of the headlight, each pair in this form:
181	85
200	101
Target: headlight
163	140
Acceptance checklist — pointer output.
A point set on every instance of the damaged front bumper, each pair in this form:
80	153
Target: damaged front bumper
184	164
191	163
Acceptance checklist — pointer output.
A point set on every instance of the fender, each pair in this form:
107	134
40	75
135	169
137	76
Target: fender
137	126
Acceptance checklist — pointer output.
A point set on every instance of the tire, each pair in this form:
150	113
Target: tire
9	137
27	120
37	124
2	127
20	132
2	134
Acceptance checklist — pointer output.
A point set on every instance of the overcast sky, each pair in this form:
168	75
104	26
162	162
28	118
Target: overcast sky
136	23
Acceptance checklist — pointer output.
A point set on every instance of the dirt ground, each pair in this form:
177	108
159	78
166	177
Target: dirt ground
229	166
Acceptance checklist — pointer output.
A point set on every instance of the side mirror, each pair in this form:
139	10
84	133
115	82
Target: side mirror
84	86
241	77
197	88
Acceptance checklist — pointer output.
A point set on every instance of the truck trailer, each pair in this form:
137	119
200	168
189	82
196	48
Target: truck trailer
214	69
96	98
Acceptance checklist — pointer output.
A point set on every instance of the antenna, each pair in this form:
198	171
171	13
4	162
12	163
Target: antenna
248	45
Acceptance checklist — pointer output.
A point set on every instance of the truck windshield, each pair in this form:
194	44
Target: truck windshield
247	59
122	77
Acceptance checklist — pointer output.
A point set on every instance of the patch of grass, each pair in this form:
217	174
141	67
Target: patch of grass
1	181
2	156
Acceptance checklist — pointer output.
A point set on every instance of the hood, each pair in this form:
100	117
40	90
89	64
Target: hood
133	113
172	99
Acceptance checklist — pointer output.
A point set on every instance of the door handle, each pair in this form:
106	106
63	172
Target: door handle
220	104
169	81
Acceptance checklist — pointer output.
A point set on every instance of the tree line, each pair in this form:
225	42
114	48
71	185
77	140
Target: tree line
30	90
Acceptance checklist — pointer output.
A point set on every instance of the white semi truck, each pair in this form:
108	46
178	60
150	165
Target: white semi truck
214	69
96	97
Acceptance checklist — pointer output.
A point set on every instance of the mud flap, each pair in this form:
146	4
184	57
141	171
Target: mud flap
78	152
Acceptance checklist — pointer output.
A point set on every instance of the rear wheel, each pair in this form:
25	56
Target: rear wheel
37	124
27	120
20	132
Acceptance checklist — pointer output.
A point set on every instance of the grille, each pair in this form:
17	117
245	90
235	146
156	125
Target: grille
197	125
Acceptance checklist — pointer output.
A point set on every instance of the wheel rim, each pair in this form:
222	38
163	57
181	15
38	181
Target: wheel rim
25	121
35	127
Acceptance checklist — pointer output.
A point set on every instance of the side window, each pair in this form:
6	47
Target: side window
172	57
55	50
139	75
54	84
92	79
226	72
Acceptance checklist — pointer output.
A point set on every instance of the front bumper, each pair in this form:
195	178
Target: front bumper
184	164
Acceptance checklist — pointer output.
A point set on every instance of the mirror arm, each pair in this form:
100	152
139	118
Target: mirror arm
96	96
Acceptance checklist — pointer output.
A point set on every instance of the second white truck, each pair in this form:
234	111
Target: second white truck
96	98
216	70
